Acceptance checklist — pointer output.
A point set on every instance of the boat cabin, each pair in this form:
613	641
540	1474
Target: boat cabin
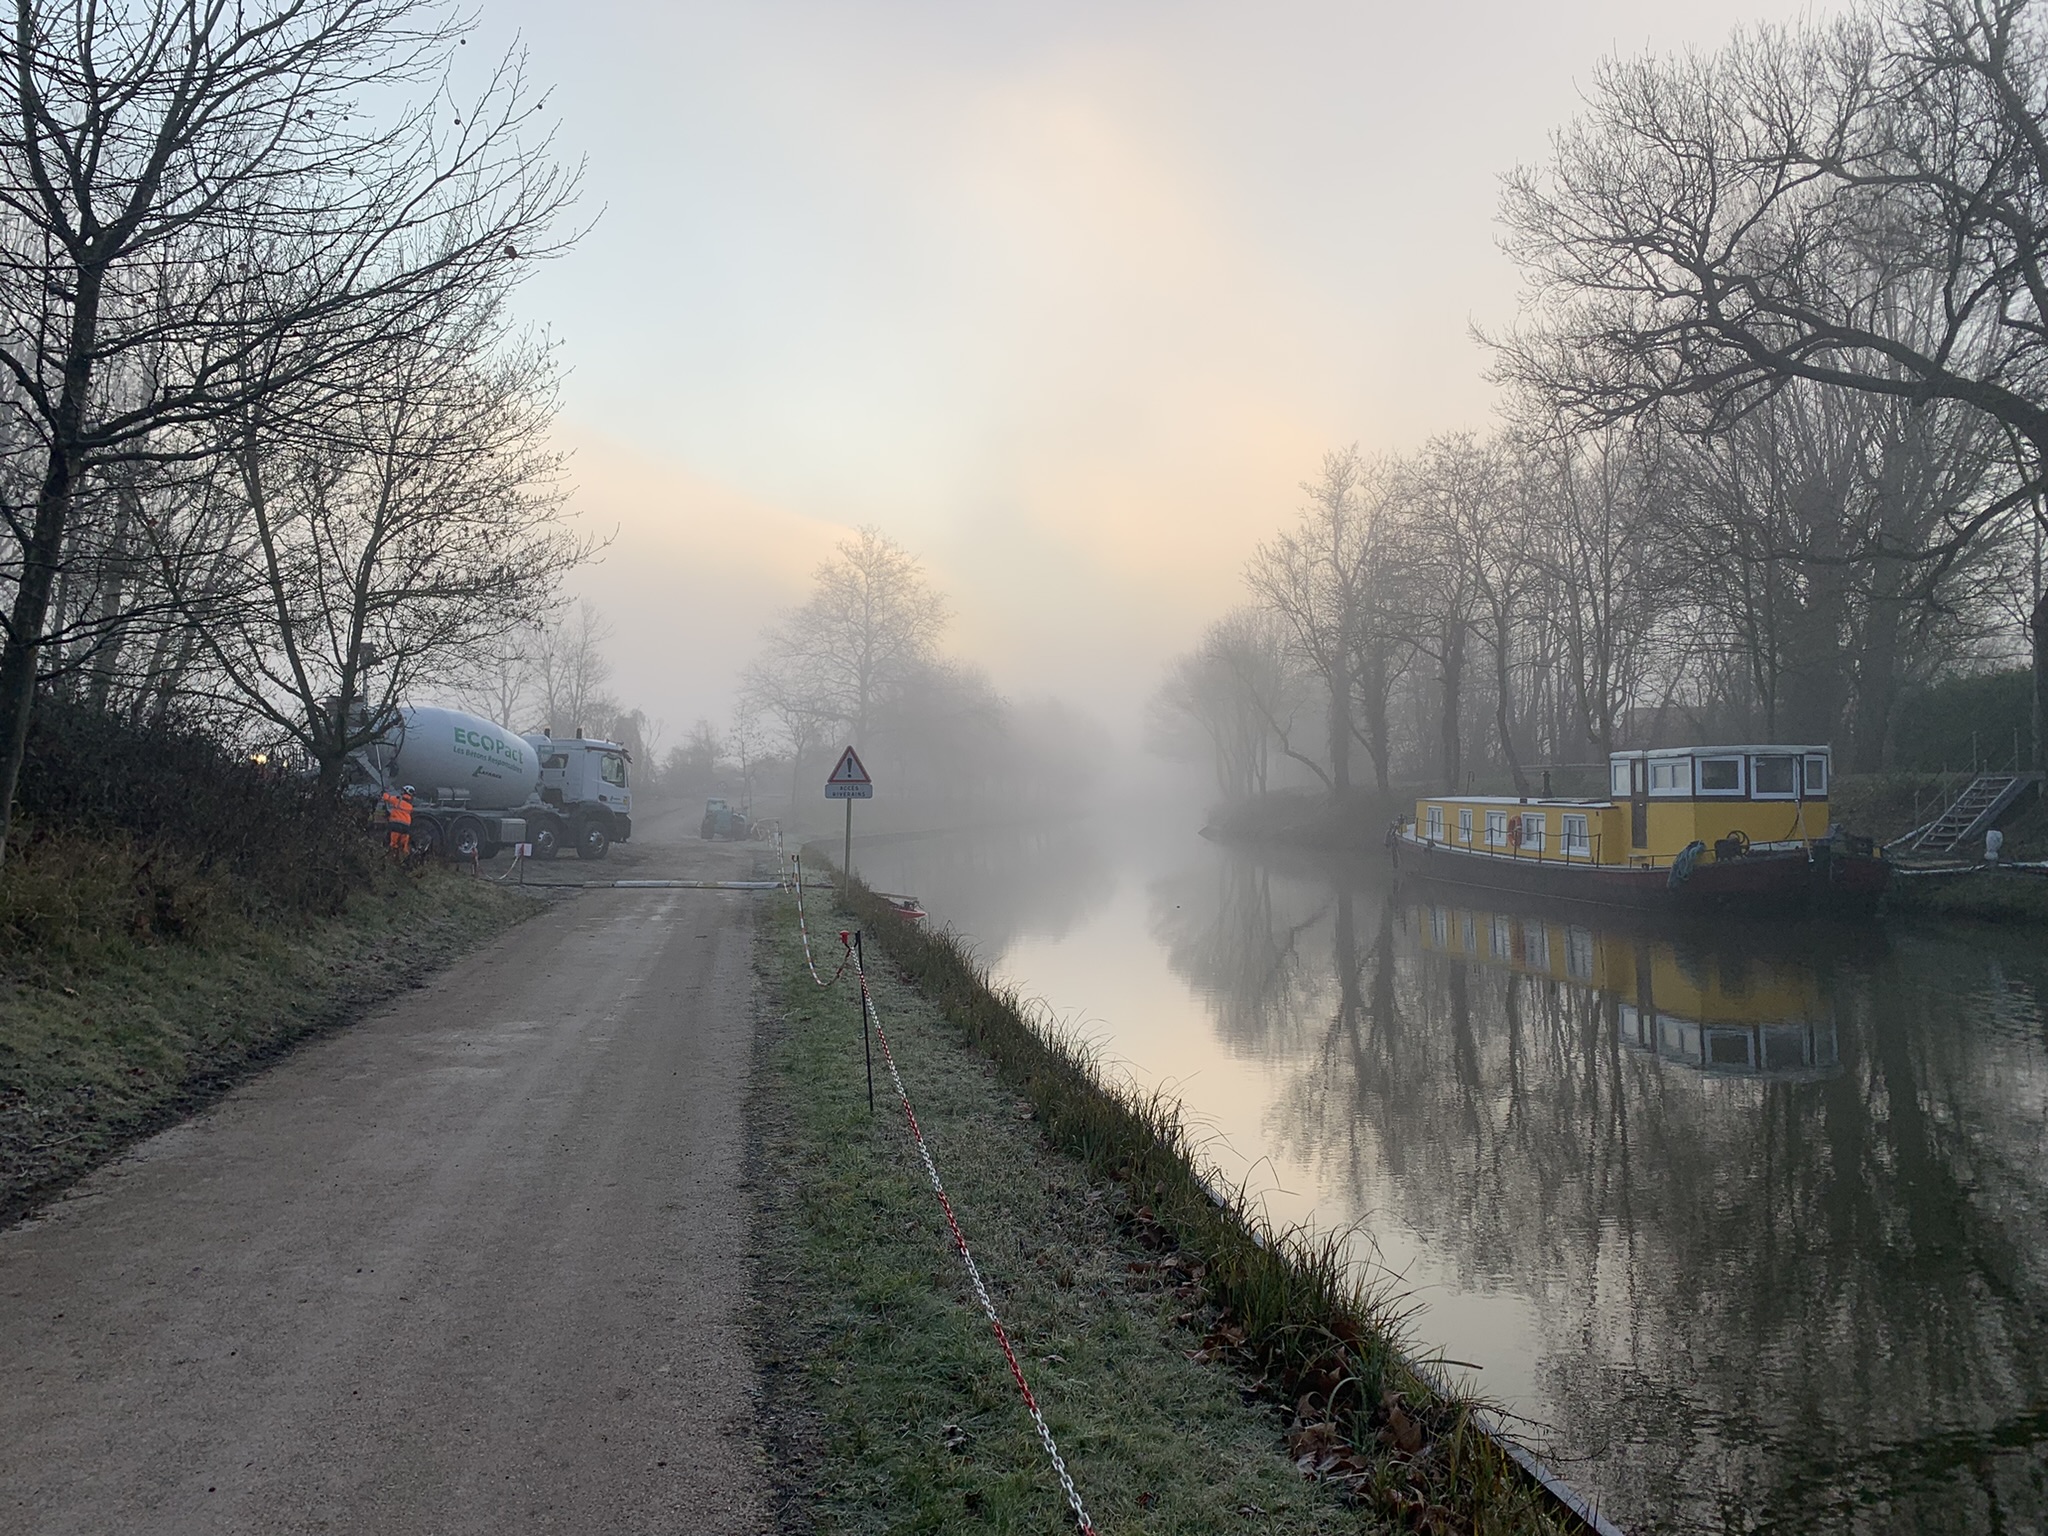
1732	800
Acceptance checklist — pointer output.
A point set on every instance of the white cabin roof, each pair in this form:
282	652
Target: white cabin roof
1772	749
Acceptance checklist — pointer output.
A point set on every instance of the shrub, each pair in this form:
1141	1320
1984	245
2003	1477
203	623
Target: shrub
187	804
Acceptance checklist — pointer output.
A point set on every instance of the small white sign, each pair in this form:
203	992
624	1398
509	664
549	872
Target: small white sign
849	780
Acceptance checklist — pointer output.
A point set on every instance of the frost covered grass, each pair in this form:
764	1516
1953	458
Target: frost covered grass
1203	1371
137	982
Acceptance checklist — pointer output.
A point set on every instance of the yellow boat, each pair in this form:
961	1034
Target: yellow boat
1736	829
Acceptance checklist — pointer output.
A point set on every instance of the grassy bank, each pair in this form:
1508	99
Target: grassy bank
891	1406
1110	1247
137	982
1986	896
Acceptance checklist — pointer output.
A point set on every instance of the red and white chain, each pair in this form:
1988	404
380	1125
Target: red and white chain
988	1307
796	865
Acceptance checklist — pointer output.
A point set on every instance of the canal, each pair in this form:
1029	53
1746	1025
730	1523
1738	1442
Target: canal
1746	1222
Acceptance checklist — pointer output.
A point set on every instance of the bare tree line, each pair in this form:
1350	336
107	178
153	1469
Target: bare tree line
859	663
1774	448
271	445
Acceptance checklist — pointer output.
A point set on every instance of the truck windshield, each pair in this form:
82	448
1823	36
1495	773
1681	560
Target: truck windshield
613	769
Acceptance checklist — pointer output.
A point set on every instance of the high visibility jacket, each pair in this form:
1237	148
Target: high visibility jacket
398	810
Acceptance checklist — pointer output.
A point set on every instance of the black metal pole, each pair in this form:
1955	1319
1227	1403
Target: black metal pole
860	960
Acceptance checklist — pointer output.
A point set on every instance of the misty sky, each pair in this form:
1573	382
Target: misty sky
1066	298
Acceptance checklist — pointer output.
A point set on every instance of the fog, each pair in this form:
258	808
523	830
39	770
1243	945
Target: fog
1066	303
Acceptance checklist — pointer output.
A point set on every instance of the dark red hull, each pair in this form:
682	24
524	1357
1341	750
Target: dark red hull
1825	882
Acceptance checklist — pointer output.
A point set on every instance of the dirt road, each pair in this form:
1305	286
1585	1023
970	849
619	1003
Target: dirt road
477	1264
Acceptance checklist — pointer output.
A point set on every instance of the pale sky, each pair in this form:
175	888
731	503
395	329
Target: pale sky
1066	298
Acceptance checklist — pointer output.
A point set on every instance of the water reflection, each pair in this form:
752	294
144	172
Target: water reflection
1775	1195
1750	1219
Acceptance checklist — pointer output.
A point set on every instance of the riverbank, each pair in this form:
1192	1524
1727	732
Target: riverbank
1187	1359
131	998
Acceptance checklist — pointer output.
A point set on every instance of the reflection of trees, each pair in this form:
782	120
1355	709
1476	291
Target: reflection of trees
1792	1304
1234	930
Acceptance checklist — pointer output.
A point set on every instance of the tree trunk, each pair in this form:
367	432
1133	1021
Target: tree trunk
1376	745
1503	715
42	554
2039	627
1340	728
1453	668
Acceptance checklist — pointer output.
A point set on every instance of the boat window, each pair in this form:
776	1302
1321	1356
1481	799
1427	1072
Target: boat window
1729	1048
1578	953
1575	839
1671	777
1817	775
1465	824
1720	775
1435	832
1532	832
1617	776
1773	776
1496	829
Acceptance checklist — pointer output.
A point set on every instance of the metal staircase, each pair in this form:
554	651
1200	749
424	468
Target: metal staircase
1975	811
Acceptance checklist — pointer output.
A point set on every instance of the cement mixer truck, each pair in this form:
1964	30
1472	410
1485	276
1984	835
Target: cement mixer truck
478	787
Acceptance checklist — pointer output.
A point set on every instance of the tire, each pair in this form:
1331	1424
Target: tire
704	829
592	840
546	836
492	850
466	839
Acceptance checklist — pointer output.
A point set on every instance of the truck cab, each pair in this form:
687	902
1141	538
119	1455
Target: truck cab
588	783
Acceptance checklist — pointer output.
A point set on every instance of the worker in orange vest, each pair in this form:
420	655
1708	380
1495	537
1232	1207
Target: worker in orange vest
398	812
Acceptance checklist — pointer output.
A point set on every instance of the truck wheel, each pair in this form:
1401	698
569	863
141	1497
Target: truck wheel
492	850
592	841
547	837
704	829
427	837
466	839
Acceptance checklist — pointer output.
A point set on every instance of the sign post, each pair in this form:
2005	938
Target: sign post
849	782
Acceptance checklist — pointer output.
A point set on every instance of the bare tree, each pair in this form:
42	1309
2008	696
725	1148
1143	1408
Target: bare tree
201	210
1450	495
393	537
1861	204
1235	697
570	667
1326	579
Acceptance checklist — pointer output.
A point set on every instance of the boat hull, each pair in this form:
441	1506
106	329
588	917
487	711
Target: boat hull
1791	881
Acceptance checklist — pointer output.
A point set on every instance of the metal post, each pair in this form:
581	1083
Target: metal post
846	860
860	961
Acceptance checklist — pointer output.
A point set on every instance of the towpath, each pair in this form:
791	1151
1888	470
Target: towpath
477	1264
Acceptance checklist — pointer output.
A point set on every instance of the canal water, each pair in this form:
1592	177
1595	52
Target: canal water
1746	1222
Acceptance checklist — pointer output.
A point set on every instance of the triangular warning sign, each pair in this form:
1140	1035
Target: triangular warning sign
849	771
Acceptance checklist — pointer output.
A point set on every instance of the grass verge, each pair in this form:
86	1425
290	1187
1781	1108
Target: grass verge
1321	1356
1988	896
890	1408
136	986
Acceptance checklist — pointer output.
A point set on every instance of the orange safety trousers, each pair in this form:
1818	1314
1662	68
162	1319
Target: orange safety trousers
398	811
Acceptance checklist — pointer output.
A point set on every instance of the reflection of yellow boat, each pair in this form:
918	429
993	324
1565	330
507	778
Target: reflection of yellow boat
1722	1010
1738	829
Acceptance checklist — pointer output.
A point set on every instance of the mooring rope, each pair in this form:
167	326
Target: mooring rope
988	1306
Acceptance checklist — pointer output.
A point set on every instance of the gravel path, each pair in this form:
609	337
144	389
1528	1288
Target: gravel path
474	1265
